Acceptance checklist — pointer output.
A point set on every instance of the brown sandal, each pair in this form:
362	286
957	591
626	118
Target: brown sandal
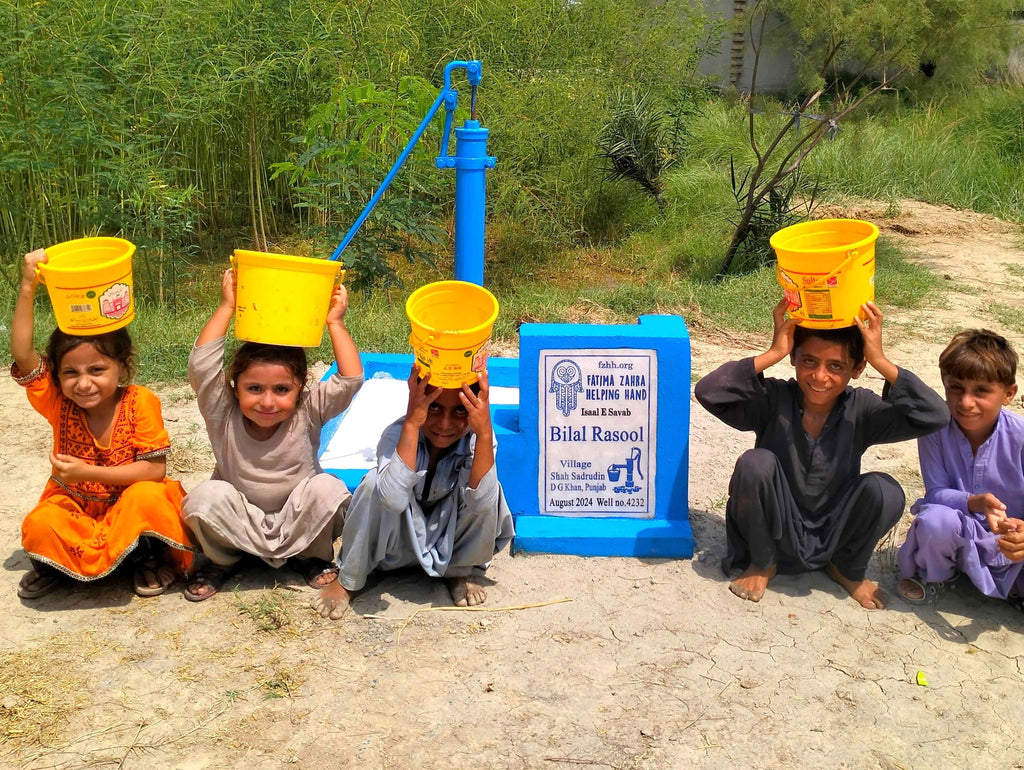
145	568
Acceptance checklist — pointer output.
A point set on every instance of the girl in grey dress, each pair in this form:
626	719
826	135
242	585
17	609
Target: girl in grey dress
268	496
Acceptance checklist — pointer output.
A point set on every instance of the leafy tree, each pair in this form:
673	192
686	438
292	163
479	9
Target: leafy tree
846	52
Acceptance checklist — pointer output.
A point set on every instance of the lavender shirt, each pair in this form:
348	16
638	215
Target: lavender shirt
952	472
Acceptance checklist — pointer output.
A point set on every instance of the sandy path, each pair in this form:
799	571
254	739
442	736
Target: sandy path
650	665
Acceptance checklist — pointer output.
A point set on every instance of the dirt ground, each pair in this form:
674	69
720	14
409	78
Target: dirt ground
573	662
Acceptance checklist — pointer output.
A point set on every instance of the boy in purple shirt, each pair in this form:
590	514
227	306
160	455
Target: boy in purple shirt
972	515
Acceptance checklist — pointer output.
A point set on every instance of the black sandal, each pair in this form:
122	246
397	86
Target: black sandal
47	581
209	576
314	571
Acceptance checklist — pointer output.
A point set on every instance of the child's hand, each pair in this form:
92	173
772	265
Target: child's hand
228	288
32	261
782	333
990	506
782	338
69	469
419	399
478	406
871	330
339	305
217	326
1011	539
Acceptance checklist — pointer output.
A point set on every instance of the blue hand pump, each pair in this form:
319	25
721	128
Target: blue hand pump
470	162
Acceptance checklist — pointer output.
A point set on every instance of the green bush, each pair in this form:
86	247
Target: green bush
162	121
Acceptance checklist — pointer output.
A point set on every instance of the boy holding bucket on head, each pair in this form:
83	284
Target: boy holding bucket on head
798	501
971	517
434	498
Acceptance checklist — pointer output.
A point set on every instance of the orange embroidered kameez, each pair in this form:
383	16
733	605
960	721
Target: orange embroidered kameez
87	529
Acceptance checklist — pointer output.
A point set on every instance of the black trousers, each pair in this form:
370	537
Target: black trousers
765	526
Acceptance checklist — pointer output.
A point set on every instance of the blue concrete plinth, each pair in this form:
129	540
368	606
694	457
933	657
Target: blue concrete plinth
650	538
666	531
663	532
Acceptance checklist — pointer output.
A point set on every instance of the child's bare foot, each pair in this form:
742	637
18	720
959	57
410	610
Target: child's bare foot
865	591
752	584
332	602
467	591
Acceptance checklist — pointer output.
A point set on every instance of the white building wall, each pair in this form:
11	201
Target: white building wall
732	65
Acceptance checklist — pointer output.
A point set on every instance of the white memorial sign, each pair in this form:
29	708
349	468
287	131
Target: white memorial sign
598	425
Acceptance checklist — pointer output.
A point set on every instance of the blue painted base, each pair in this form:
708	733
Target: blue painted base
668	534
654	538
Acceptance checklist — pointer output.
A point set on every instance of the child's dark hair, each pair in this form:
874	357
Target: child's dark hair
848	336
293	359
979	354
475	387
116	345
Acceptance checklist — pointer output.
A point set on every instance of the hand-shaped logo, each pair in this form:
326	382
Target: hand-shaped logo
566	382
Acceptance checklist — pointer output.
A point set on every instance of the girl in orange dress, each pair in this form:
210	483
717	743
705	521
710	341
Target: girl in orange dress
107	497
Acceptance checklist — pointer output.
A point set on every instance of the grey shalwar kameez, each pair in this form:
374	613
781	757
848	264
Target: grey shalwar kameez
267	498
800	503
450	530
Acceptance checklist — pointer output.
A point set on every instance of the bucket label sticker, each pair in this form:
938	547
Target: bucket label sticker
480	356
449	368
786	280
116	301
793	298
832	282
598	432
819	305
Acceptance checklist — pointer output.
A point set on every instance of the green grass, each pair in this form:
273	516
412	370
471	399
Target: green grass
965	151
653	272
634	259
269	610
1010	317
1017	271
902	282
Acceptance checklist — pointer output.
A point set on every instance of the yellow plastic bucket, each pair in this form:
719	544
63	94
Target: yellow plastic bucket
451	330
282	300
827	270
89	281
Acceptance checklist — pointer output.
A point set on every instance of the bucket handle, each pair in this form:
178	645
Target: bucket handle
39	273
850	257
